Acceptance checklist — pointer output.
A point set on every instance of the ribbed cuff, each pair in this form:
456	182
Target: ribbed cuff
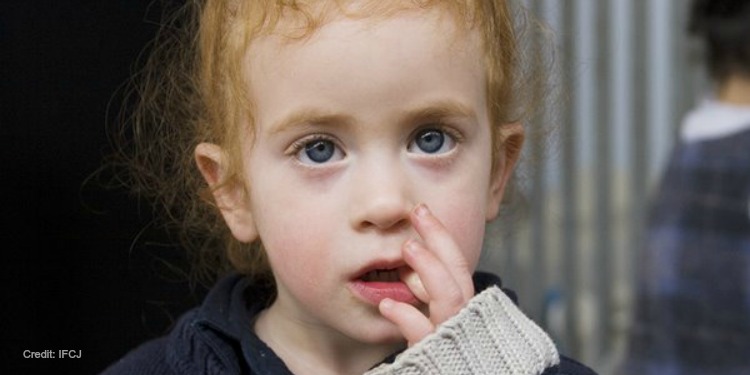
488	336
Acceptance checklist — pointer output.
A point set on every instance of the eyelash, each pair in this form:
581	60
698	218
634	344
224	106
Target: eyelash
440	126
301	143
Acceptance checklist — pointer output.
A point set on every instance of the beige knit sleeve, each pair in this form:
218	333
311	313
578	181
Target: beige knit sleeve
488	336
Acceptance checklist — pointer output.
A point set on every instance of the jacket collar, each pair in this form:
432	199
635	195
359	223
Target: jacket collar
231	307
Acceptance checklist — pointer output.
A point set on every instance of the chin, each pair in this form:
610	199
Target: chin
381	334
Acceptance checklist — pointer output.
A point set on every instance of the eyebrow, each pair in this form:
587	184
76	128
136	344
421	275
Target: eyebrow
310	116
440	109
430	111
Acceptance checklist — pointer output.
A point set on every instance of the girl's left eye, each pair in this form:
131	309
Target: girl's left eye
432	141
318	151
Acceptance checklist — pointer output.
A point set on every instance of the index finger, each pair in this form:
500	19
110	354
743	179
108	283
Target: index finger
440	242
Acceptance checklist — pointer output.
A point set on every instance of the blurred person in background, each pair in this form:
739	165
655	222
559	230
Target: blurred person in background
693	294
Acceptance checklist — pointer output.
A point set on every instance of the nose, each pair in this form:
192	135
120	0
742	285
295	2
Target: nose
381	197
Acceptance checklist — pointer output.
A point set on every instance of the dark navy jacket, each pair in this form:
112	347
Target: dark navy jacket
216	338
693	297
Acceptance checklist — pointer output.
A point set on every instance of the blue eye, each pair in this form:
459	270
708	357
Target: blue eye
432	141
318	151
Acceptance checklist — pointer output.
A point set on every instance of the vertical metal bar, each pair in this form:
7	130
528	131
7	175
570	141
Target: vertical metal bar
537	279
639	140
603	238
660	19
621	120
585	123
569	187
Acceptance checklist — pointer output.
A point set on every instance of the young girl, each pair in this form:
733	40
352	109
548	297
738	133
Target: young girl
353	152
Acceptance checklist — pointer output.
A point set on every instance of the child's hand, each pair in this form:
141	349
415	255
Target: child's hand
446	285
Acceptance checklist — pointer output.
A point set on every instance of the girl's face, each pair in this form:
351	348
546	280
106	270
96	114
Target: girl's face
353	127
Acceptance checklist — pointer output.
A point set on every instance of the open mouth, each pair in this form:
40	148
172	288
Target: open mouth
382	275
384	281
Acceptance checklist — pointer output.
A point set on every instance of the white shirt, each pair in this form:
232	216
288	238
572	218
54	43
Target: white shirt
713	119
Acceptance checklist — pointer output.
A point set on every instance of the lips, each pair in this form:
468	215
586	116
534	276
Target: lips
382	280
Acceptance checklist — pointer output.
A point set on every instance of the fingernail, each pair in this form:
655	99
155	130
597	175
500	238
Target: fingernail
421	210
412	280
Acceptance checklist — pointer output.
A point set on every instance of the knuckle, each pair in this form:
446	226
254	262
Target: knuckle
454	298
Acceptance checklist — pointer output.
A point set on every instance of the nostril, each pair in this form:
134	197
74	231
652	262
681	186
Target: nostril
382	215
390	224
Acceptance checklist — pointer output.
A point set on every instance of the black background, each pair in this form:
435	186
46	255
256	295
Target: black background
76	273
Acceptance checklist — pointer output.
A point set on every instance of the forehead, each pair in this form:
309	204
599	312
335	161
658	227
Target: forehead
434	26
300	18
388	33
410	49
295	21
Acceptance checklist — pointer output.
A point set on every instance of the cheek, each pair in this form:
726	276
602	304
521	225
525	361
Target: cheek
465	222
294	238
288	220
462	206
295	254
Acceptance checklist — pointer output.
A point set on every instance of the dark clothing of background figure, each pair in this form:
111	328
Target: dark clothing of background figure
693	301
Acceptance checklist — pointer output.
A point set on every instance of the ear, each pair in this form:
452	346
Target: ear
510	141
230	196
